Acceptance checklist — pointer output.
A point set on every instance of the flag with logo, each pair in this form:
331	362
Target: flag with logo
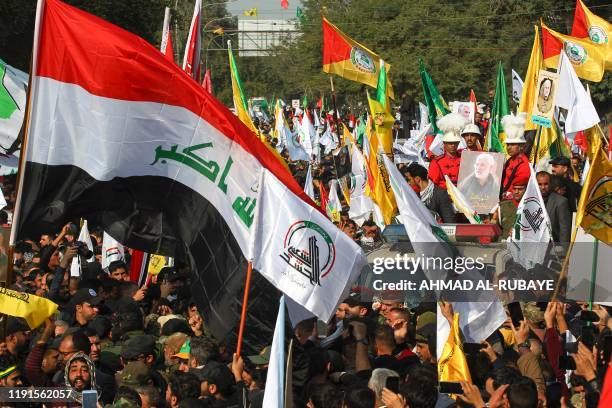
495	135
193	46
285	137
593	213
436	105
347	58
380	189
587	58
531	232
190	194
452	365
13	90
598	30
300	251
381	112
33	309
334	206
112	250
481	316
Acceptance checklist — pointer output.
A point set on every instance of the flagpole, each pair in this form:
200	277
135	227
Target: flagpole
245	300
535	154
593	273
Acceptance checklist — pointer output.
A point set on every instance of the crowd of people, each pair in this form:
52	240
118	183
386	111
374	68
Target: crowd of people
149	346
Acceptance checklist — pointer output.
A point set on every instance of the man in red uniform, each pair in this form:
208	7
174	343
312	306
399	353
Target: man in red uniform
471	135
447	164
516	168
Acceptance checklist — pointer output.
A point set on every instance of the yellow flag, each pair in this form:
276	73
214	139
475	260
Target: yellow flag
453	365
594	208
587	58
383	123
548	136
34	309
156	263
240	104
531	80
380	188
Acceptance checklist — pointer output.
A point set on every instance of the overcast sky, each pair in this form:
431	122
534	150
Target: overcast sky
266	9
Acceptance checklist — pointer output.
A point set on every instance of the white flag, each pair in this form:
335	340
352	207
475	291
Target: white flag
274	394
3	202
75	266
112	250
517	87
478	319
13	89
361	205
308	187
306	133
424	114
286	138
334	206
300	251
531	232
571	95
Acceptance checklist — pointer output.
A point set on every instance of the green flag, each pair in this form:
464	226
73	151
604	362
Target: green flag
305	102
496	135
299	13
13	88
381	86
361	130
436	105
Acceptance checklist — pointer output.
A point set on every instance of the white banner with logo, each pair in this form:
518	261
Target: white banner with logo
300	251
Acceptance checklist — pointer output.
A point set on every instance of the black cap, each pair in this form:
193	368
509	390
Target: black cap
15	325
216	373
137	345
168	273
354	299
561	161
85	295
176	326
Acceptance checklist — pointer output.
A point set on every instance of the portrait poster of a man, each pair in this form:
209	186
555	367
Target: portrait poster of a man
480	178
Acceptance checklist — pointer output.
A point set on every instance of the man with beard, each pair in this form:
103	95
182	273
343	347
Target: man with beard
80	375
78	343
16	337
481	186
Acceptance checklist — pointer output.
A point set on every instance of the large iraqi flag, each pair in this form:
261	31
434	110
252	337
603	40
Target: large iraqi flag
123	137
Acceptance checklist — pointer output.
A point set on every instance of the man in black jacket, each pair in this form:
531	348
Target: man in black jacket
557	208
561	166
435	198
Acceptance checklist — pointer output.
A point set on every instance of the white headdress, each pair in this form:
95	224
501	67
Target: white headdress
452	125
514	127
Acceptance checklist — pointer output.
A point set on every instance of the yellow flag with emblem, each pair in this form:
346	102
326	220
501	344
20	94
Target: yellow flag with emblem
33	309
379	189
452	365
593	213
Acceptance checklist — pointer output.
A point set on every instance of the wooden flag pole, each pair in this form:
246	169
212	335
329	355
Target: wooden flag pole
245	301
336	113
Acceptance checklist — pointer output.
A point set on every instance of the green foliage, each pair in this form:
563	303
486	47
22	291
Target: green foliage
461	43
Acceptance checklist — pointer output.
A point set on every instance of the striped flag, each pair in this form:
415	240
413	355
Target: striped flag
193	47
166	42
101	98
